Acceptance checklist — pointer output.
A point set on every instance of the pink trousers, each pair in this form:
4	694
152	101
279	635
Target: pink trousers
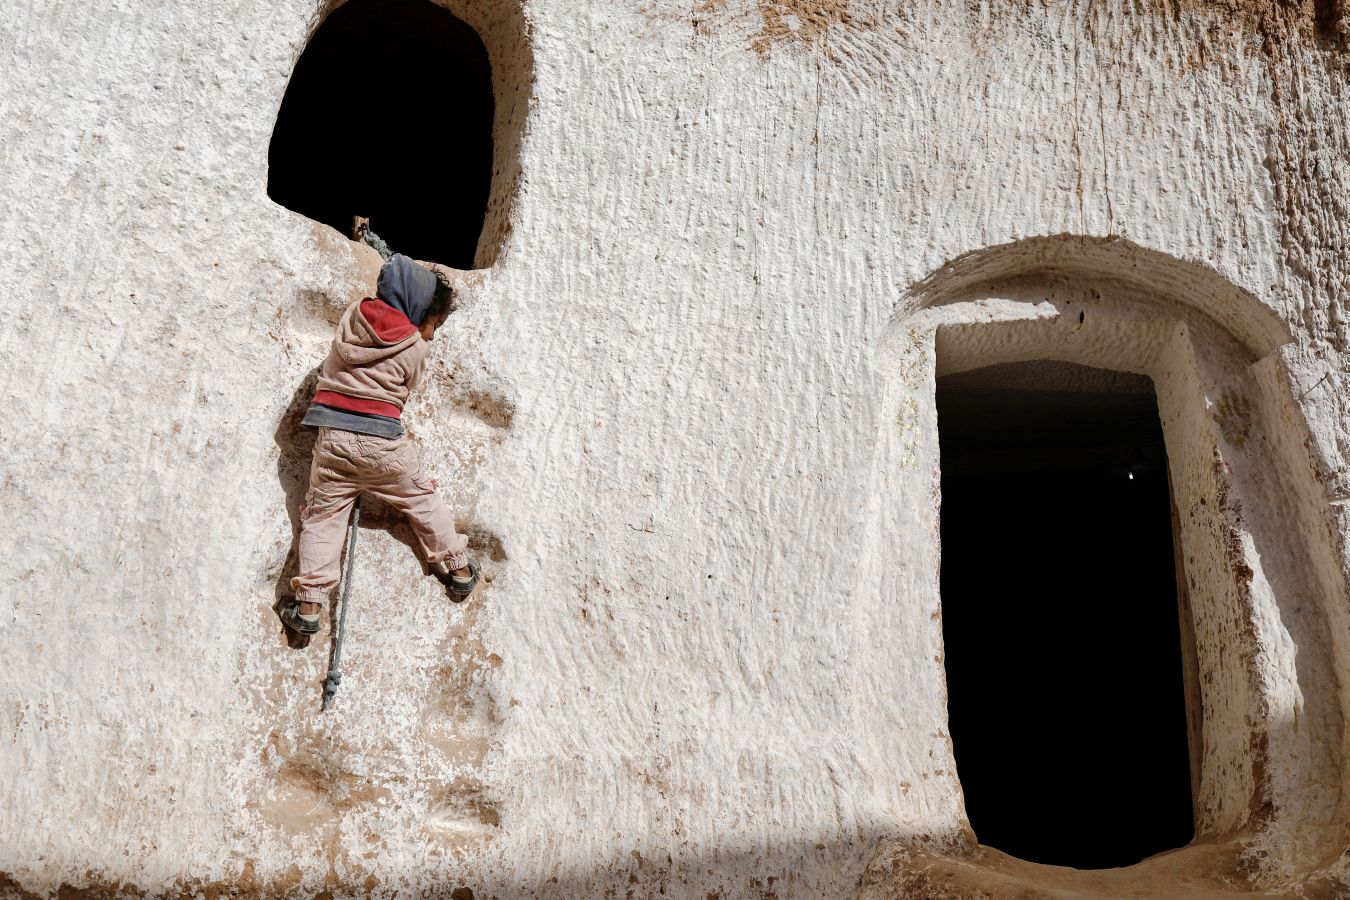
347	464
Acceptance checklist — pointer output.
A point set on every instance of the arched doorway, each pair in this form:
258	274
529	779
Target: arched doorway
1260	582
1066	698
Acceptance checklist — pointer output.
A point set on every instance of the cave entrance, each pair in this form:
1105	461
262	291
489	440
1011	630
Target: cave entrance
389	115
1063	640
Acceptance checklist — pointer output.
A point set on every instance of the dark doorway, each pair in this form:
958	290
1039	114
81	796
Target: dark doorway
1060	618
389	115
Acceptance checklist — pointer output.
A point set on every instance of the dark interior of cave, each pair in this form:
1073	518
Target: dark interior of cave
1060	622
388	115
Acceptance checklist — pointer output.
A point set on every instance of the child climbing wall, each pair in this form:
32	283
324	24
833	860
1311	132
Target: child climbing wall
377	359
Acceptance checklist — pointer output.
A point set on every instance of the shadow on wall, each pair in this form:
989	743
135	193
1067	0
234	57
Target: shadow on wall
749	868
296	443
753	868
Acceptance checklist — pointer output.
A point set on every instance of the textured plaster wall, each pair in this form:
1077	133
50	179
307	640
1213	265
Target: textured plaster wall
702	666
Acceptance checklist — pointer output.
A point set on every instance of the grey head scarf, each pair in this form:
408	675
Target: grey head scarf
407	286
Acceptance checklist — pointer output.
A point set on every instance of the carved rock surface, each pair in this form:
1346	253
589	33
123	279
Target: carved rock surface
723	235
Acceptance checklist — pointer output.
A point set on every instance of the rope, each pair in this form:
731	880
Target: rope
330	685
380	244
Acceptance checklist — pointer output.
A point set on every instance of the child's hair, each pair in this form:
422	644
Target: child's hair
443	298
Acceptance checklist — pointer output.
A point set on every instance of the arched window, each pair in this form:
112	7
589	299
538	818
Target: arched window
389	115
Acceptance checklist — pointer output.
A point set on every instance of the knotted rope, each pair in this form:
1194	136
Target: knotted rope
374	240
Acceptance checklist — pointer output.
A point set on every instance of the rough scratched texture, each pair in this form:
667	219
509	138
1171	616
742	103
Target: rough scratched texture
708	663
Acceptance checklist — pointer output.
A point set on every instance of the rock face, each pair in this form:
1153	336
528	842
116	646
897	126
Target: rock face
686	414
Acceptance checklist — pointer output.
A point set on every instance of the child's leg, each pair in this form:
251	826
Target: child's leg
409	491
323	521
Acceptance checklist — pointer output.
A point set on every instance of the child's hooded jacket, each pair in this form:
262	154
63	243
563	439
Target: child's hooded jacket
377	357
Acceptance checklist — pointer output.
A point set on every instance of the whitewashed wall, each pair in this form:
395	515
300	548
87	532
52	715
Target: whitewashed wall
658	414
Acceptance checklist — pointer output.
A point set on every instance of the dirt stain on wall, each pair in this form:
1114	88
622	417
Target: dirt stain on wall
786	22
800	21
1246	15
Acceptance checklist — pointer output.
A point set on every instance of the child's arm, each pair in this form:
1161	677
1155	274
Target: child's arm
417	367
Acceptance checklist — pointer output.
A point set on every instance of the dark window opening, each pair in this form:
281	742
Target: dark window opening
389	115
1060	617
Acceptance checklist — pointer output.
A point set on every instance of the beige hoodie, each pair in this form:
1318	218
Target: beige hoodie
379	360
